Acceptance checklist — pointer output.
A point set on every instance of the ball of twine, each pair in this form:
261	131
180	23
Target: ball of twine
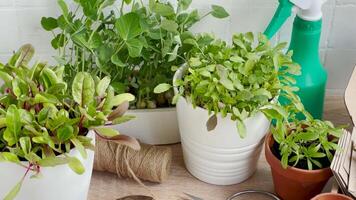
151	163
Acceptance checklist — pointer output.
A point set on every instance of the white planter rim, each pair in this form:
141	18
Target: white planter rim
166	109
152	126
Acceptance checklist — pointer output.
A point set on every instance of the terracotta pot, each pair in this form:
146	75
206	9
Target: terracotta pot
293	183
331	196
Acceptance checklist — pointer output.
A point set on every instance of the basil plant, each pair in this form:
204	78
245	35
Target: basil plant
133	43
238	80
42	117
308	143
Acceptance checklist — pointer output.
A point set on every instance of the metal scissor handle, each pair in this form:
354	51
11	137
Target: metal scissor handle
253	191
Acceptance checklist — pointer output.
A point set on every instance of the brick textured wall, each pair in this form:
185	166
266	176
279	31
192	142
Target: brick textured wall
20	23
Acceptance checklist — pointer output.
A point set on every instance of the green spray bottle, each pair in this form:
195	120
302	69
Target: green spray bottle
305	46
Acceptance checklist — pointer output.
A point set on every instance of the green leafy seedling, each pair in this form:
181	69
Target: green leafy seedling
42	117
136	47
241	79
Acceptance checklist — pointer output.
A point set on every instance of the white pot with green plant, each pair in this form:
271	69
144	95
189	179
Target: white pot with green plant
223	95
48	129
137	47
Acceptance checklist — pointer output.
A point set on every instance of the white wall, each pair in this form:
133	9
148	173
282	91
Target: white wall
20	23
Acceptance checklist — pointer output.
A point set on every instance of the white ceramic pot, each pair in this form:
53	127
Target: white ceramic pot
220	156
57	183
152	126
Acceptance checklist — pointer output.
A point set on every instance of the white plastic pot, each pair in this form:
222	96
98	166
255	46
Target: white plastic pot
57	183
152	126
220	156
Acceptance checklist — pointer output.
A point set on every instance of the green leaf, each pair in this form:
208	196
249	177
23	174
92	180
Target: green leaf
135	47
26	117
104	53
102	86
169	25
6	77
121	98
224	80
163	9
278	109
123	119
241	128
13	123
76	165
32	157
249	65
2	122
310	164
14	191
219	12
128	26
227	83
80	38
307	136
237	59
284	161
108	102
56	43
83	89
163	87
65	133
184	4
107	132
49	23
64	8
53	161
95	41
79	146
107	3
272	114
25	143
49	77
10	157
173	55
45	98
116	60
26	53
195	62
17	87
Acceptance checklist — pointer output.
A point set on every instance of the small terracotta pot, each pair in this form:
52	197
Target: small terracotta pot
293	183
331	196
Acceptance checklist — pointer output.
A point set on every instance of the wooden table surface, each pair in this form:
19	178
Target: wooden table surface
106	186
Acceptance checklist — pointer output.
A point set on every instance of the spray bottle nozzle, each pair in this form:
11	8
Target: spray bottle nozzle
284	11
309	10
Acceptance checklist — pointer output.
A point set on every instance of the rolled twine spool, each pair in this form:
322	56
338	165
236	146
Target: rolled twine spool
151	163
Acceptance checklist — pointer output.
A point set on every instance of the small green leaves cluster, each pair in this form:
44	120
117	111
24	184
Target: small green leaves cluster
136	46
237	80
308	143
42	117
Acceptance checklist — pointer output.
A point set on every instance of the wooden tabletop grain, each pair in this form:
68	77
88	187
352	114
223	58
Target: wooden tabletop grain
106	186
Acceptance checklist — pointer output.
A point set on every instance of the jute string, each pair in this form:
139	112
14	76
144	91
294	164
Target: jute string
151	163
